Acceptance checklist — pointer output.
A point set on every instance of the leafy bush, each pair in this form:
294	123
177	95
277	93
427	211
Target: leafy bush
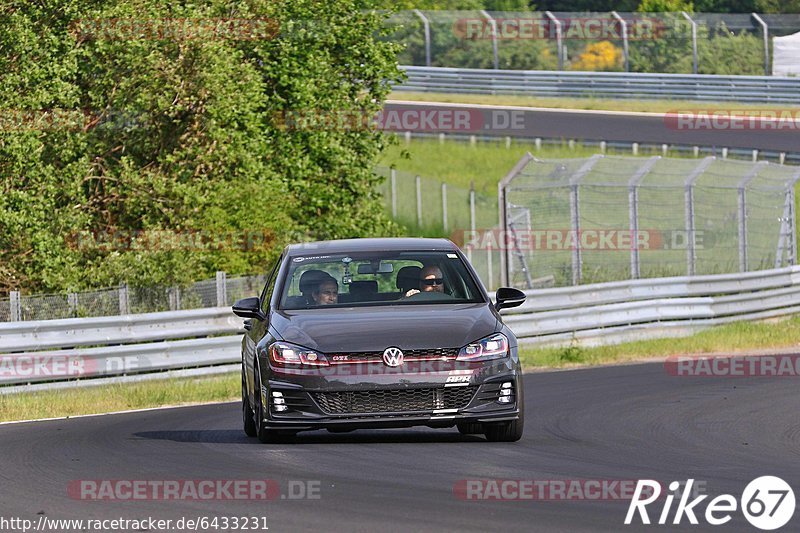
180	134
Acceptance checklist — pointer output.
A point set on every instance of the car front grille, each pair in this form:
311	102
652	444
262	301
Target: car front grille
408	355
395	400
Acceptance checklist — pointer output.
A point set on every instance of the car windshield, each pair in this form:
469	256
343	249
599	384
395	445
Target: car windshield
378	278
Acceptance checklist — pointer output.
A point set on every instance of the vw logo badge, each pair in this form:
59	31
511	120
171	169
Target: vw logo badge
393	356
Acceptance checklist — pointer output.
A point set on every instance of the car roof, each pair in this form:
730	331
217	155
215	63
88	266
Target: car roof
393	244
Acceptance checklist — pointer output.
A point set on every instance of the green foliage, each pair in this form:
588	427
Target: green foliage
662	6
180	135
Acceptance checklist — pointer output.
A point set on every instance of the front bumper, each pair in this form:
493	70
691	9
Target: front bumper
440	398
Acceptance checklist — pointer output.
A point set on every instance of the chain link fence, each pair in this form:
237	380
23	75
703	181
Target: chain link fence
682	43
608	218
125	300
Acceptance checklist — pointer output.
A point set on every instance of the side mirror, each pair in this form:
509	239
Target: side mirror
508	297
248	308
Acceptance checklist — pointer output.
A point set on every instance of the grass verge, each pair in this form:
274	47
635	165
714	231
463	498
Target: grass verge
651	106
119	397
459	163
739	337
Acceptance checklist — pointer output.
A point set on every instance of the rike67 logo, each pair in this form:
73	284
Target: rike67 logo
767	503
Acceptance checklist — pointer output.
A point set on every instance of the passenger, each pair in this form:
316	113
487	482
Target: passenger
430	280
327	292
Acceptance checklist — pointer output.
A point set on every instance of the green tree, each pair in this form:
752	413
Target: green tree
180	135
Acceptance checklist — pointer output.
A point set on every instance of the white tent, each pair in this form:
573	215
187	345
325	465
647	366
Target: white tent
786	55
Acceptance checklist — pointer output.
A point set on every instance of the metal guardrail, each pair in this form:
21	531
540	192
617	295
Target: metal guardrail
616	311
704	87
600	313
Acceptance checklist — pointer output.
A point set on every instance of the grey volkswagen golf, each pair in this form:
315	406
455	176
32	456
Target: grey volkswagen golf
378	333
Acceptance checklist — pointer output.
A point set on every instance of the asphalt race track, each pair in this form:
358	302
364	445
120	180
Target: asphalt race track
613	126
620	423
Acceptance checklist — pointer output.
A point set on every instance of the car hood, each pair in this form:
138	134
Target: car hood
408	327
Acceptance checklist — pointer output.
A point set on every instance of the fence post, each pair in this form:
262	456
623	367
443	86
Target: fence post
489	270
765	32
175	299
444	206
472	206
557	23
427	29
493	24
419	201
575	228
72	304
689	212
222	296
694	40
16	306
575	217
743	215
624	27
393	180
633	212
124	300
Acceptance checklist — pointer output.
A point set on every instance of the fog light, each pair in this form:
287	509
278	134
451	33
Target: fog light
278	402
505	393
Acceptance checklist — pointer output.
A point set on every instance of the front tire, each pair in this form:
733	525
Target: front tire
248	418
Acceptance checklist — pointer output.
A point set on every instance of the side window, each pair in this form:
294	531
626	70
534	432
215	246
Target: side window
266	294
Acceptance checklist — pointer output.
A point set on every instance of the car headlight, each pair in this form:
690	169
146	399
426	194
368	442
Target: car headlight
286	354
494	346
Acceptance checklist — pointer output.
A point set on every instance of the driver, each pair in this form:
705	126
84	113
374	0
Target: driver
430	280
327	292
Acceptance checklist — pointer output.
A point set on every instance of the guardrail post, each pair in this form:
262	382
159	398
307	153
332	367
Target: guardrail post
16	306
557	23
493	24
427	29
694	40
222	293
765	32
624	27
124	300
393	180
444	206
419	201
